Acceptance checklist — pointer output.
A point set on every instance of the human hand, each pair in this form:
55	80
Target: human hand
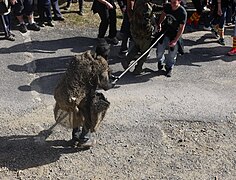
172	43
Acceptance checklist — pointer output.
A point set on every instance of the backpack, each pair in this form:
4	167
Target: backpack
141	23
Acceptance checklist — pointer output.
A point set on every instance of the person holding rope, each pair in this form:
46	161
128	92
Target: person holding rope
141	15
173	18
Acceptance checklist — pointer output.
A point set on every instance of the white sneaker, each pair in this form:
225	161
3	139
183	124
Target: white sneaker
207	28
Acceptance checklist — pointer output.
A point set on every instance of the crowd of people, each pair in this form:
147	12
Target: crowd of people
219	14
23	10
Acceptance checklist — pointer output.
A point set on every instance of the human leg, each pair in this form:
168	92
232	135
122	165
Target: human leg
68	4
160	52
144	44
232	52
171	60
222	19
125	30
56	11
81	7
133	51
6	27
103	26
112	23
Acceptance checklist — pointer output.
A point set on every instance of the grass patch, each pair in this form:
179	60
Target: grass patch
88	20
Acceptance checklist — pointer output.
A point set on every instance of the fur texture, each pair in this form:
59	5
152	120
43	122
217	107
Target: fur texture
77	88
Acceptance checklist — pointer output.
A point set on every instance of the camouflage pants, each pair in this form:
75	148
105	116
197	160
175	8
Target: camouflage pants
139	45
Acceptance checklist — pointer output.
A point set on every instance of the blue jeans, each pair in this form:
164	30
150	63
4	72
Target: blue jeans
170	58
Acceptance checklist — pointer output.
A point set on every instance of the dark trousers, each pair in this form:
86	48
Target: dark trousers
81	4
108	18
6	20
55	8
44	10
198	5
125	29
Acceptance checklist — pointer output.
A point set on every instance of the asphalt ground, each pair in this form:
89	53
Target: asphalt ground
145	110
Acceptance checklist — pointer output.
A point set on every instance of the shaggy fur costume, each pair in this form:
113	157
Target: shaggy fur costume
76	92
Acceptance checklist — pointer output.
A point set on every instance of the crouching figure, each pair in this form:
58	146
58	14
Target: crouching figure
78	104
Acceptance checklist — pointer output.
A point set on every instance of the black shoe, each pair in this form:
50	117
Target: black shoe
58	19
81	13
67	6
160	66
168	72
221	41
49	23
10	37
23	28
41	24
33	27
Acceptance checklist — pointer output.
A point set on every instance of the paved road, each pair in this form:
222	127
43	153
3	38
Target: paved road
204	77
181	127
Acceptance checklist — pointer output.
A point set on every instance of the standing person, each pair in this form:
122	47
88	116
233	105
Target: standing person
141	28
232	52
21	8
56	11
44	11
219	19
106	10
195	17
81	5
125	30
6	21
176	16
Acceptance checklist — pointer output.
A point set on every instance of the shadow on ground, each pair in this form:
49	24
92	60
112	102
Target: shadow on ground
19	152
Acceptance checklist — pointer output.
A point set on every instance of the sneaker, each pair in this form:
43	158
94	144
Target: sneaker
87	144
49	23
23	28
33	27
213	31
221	41
207	28
113	40
67	6
160	66
41	24
232	52
168	71
10	37
229	24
